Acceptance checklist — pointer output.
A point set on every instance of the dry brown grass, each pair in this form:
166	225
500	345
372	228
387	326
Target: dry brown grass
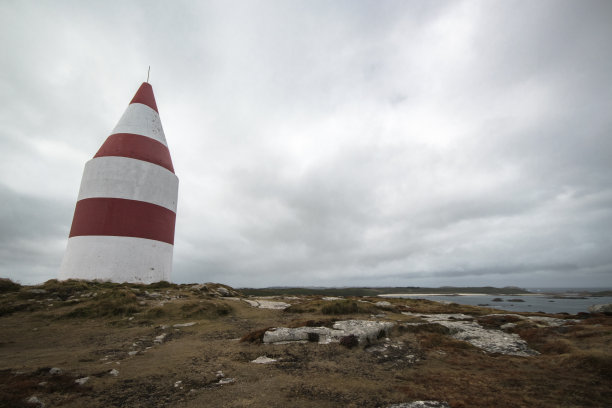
572	371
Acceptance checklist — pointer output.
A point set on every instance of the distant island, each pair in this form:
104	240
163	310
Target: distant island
375	291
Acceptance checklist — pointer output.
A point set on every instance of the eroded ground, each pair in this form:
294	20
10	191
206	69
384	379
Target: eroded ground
195	345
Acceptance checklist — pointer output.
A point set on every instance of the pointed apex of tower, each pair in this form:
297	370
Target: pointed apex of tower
145	96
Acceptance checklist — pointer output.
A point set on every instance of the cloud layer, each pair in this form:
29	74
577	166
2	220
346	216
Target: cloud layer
327	143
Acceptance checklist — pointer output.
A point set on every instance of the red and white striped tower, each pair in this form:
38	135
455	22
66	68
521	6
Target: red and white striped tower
123	225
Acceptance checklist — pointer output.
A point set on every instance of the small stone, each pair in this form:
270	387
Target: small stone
160	339
42	383
55	371
81	381
178	384
226	381
34	400
184	324
421	404
220	374
114	372
132	353
263	360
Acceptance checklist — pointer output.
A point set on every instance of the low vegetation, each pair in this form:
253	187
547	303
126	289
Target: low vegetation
193	345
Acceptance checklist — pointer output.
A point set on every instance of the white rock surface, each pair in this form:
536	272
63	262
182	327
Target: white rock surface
491	341
81	381
267	304
263	360
366	331
35	401
114	372
421	404
603	308
184	324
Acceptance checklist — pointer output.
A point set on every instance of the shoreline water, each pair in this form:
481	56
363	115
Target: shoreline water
532	302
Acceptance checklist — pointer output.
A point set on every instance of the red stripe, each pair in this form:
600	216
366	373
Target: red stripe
136	147
145	96
123	218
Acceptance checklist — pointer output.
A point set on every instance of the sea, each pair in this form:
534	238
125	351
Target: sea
566	301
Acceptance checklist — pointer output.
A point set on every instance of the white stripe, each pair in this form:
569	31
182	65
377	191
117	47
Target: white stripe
141	120
118	259
132	179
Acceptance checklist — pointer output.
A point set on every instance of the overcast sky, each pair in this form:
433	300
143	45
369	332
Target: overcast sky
404	143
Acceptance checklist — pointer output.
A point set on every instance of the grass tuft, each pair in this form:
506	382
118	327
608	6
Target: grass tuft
343	307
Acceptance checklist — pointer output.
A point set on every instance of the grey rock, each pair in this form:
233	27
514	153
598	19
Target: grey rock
603	308
421	404
55	371
492	341
82	380
35	401
267	304
263	360
184	324
114	372
366	331
223	291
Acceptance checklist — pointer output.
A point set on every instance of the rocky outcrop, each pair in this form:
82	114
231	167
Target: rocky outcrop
603	308
366	332
267	304
215	290
462	327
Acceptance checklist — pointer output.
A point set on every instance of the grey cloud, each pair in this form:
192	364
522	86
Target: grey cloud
338	143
